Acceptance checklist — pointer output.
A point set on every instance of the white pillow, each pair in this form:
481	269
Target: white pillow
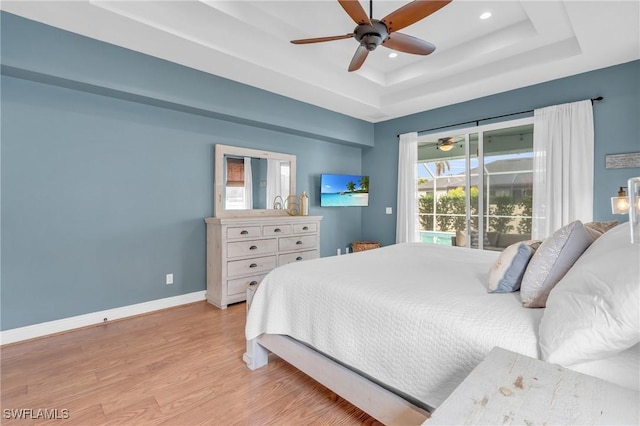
555	256
506	272
594	311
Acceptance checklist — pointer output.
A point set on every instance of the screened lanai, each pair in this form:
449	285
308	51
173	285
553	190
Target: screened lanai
447	166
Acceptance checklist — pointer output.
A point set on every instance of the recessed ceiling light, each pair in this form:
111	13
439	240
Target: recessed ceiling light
393	55
485	15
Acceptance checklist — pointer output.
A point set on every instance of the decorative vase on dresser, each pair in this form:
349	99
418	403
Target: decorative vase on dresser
242	250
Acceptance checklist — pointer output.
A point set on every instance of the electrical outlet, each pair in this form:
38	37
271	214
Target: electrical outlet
389	210
169	279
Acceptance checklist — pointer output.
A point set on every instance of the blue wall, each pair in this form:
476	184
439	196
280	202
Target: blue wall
107	170
616	121
107	164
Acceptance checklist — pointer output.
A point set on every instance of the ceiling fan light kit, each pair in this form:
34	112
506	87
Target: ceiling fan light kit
371	33
371	36
446	144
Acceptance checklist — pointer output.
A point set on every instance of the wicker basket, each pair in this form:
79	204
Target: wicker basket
364	245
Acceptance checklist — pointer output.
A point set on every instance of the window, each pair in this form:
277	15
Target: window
476	182
235	188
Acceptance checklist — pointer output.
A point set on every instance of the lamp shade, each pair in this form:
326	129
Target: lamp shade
619	205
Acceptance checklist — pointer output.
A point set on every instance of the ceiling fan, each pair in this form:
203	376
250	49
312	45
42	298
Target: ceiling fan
446	144
371	33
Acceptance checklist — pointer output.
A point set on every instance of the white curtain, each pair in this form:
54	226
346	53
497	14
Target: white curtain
563	142
407	208
248	184
274	183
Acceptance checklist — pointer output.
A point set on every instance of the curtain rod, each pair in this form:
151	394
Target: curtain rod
599	98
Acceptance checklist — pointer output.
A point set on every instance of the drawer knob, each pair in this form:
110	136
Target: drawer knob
253	248
253	283
298	258
244	232
253	265
298	242
277	230
306	228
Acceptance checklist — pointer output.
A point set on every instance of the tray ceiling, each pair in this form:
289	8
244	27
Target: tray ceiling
522	43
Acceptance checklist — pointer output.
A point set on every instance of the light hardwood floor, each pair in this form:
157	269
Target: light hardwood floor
179	366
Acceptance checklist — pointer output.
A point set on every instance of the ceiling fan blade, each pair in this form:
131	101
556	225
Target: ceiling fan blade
358	58
412	12
321	39
408	44
355	11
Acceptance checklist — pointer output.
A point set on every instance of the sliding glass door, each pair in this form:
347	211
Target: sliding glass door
441	182
475	185
508	183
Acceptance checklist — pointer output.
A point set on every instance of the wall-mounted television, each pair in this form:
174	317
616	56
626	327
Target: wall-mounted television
344	191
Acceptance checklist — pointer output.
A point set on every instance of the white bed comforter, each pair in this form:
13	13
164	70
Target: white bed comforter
416	317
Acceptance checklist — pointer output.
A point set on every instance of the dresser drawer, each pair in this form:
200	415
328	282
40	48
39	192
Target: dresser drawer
270	230
240	285
283	259
251	247
304	228
244	232
300	242
251	266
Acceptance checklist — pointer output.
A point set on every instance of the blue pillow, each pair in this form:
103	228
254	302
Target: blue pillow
506	273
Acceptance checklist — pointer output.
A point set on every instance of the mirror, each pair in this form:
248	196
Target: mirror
250	182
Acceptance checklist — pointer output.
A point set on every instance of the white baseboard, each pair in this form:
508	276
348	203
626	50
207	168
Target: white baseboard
66	324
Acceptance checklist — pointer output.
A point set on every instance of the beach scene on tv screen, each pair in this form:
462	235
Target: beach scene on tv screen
344	191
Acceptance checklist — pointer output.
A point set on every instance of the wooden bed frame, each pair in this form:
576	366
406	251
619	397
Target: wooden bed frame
373	399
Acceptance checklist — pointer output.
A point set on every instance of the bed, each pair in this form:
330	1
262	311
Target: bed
396	329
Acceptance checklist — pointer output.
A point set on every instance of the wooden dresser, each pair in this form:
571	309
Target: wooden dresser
241	251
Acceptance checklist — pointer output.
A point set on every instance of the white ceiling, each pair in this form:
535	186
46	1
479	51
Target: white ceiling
523	43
